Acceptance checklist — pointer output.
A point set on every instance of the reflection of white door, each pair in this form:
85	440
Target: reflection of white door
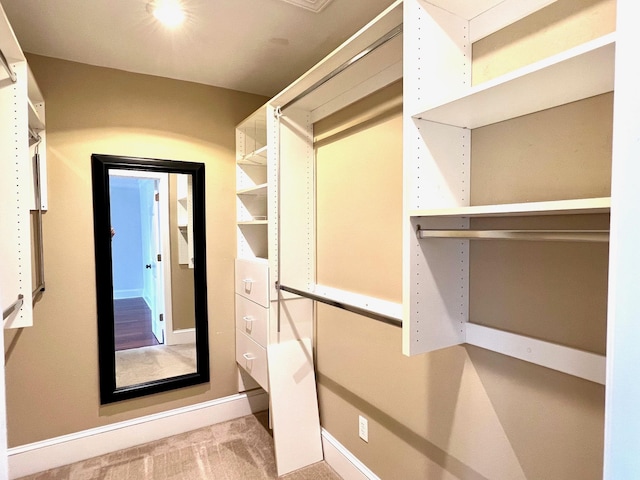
151	248
157	320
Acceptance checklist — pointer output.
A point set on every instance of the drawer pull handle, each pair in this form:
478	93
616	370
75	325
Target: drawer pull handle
248	283
249	356
249	319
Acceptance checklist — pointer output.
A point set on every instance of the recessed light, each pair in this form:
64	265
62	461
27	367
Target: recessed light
168	12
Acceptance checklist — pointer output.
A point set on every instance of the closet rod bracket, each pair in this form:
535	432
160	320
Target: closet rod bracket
7	67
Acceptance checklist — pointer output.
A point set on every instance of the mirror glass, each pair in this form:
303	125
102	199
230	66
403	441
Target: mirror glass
150	275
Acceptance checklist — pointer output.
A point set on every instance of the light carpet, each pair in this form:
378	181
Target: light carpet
145	364
240	449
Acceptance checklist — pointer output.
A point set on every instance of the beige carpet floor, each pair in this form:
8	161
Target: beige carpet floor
240	449
145	364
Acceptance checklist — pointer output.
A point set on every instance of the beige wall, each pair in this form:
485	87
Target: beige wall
465	412
52	368
182	292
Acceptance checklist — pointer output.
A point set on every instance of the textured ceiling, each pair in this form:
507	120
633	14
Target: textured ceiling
256	46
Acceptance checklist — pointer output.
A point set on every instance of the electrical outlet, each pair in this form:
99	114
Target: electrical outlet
363	428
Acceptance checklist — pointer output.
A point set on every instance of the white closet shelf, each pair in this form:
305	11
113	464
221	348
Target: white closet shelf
557	80
253	222
580	206
257	157
373	70
528	235
257	191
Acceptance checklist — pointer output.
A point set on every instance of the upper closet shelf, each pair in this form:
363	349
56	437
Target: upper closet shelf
366	62
554	207
257	157
578	73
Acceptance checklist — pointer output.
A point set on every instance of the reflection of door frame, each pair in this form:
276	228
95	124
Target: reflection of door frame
165	271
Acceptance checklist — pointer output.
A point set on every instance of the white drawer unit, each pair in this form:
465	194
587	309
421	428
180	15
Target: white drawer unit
252	280
252	358
252	319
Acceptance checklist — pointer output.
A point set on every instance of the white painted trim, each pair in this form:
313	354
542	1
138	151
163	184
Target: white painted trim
587	365
181	337
66	449
343	461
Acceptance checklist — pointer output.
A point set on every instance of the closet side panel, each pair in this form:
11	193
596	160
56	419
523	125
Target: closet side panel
15	222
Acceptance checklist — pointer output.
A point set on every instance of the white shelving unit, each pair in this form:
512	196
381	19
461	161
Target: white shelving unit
23	186
252	183
441	109
270	343
184	208
276	232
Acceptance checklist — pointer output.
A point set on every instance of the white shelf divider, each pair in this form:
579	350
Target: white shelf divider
545	84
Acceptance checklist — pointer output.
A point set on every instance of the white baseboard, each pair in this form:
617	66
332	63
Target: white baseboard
343	461
55	452
181	337
131	293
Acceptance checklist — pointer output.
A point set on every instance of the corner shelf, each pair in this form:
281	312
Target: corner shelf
253	222
257	157
258	190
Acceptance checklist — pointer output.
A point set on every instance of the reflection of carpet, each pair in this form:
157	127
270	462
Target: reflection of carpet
139	365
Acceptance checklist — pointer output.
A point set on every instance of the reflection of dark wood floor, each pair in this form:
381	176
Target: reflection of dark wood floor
132	324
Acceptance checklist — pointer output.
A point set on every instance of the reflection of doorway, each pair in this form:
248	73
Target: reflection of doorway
132	328
140	220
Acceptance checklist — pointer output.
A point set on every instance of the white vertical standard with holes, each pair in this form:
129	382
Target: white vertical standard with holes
22	181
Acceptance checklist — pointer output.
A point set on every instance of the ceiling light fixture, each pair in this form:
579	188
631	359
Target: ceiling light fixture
168	12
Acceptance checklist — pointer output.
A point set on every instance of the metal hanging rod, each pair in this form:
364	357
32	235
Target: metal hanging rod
528	235
344	306
17	305
7	67
40	254
390	35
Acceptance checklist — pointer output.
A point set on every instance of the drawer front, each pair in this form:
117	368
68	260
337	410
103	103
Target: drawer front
252	358
252	281
252	319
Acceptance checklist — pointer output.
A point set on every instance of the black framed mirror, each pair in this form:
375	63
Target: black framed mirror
149	234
